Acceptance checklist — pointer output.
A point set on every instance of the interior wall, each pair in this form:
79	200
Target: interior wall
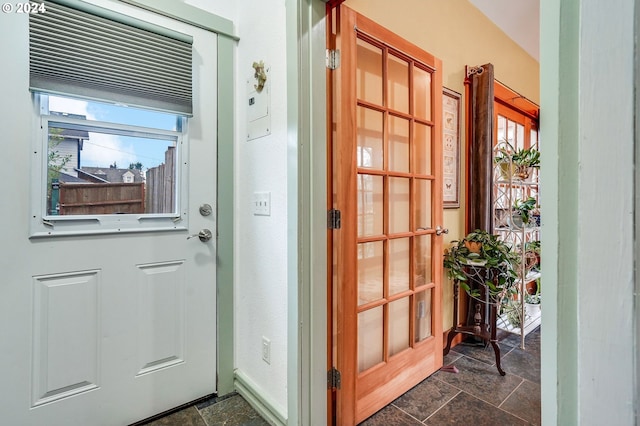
587	342
606	112
261	241
260	285
227	10
550	120
456	32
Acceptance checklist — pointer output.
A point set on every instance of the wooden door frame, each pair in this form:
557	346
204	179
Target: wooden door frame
346	364
330	24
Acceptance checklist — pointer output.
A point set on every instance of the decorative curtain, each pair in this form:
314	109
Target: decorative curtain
481	98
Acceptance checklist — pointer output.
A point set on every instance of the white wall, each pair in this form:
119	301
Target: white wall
605	287
261	166
587	129
224	9
261	241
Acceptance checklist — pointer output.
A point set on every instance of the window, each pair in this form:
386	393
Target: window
515	128
93	53
516	119
107	168
110	150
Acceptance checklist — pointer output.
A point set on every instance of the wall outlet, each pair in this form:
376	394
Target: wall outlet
266	350
262	203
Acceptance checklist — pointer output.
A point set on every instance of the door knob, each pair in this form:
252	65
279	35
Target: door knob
204	235
440	230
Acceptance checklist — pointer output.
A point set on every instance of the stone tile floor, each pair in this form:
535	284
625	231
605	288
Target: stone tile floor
230	410
476	395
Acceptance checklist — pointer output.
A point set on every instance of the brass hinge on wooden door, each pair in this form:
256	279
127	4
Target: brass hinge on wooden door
333	379
333	59
333	219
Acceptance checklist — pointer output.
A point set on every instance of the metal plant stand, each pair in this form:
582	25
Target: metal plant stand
485	311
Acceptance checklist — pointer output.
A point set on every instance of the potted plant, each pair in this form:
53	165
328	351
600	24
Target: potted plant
532	250
522	212
493	255
473	241
503	160
524	161
535	215
532	303
514	163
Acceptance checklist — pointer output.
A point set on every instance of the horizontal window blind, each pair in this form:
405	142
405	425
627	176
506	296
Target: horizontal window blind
97	54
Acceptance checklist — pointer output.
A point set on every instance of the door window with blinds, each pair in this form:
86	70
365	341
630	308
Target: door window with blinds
114	95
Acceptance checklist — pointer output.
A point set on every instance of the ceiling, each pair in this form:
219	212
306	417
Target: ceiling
519	19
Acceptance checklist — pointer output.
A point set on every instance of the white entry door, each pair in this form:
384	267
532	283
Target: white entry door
102	324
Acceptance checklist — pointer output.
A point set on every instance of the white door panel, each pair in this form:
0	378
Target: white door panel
104	329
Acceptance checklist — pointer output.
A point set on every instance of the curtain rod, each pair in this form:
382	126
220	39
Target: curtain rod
517	93
480	69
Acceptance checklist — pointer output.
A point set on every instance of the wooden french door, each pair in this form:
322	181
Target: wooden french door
387	185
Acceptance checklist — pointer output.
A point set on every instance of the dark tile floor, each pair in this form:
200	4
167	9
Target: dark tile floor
477	394
230	410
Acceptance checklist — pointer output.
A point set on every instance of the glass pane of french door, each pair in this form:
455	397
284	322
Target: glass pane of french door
394	203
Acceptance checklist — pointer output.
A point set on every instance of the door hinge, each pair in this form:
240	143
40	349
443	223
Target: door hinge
333	59
333	219
333	379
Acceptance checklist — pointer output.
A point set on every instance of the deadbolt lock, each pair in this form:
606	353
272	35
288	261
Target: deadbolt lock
205	209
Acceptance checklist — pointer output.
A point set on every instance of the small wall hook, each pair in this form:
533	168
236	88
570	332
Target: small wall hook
259	75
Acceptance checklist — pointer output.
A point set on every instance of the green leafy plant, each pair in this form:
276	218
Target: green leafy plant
515	163
529	157
533	246
493	255
523	161
523	209
55	161
513	312
533	299
531	256
503	155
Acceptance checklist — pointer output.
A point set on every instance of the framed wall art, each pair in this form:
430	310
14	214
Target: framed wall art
451	148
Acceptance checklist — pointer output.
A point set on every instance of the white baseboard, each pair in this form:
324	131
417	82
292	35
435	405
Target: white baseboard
263	405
